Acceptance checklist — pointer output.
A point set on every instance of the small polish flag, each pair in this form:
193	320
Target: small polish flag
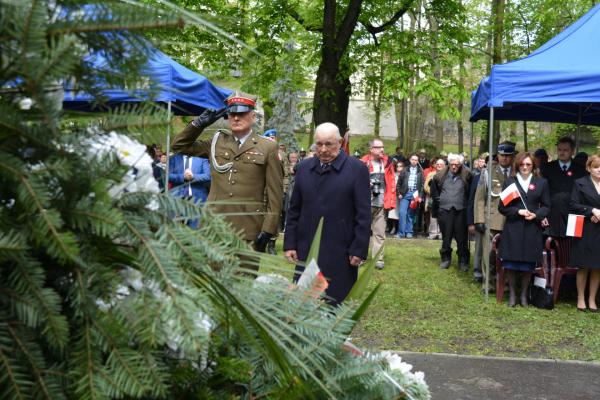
509	194
312	278
575	225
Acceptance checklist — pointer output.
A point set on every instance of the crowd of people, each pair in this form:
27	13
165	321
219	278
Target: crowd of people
263	190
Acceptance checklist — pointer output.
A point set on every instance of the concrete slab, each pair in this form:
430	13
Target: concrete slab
456	377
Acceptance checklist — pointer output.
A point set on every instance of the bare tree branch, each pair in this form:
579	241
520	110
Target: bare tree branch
374	30
298	18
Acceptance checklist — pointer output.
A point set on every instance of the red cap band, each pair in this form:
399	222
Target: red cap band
241	100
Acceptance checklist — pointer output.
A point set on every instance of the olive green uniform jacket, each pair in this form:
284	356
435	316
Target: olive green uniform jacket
252	183
497	219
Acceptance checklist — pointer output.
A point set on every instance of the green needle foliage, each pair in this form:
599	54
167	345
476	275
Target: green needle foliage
103	293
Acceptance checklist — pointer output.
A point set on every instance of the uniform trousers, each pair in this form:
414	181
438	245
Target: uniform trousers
453	225
377	231
489	260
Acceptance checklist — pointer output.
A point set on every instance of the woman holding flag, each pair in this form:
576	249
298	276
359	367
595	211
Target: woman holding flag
585	204
525	202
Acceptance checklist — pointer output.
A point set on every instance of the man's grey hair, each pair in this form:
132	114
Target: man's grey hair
372	142
456	157
328	127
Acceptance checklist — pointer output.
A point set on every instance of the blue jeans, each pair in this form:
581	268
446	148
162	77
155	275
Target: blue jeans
406	216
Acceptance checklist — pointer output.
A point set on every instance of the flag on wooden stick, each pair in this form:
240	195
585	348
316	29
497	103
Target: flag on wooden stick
575	225
509	194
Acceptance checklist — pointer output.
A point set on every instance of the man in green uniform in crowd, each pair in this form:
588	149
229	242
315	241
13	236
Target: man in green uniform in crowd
245	169
500	173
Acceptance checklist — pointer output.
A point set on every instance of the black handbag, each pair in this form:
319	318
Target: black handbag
542	297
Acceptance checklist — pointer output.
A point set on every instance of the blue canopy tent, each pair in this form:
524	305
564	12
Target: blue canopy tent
188	92
559	82
183	91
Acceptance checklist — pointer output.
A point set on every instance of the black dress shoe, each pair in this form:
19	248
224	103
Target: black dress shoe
463	267
445	264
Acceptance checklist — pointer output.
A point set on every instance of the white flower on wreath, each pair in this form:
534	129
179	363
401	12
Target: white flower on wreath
130	152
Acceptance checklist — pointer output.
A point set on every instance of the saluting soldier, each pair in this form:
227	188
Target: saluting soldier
500	172
245	168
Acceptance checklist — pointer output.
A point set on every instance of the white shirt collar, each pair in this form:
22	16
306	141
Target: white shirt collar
244	138
568	164
524	182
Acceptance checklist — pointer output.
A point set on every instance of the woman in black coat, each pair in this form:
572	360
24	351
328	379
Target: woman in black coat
585	200
522	242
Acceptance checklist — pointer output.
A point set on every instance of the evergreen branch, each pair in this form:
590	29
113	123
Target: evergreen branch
37	373
180	23
67	245
11	373
47	306
62	53
157	262
12	243
273	343
114	351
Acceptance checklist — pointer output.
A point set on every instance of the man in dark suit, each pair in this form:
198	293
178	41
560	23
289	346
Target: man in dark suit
190	178
561	174
336	187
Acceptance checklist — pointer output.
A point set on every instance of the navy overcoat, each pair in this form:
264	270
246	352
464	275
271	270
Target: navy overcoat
522	240
341	194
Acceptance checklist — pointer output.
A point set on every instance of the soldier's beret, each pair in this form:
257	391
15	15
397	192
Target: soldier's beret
239	102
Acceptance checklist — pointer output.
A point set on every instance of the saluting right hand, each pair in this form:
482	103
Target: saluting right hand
208	117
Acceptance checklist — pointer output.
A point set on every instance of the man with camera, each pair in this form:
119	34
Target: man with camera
247	175
383	194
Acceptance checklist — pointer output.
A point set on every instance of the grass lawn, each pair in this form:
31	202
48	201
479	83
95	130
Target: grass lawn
422	308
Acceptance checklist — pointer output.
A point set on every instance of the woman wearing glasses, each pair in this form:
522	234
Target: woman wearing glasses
522	243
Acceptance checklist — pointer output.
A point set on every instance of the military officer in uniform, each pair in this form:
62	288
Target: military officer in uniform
245	169
500	172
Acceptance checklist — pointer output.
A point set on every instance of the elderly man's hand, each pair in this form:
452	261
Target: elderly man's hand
291	255
354	261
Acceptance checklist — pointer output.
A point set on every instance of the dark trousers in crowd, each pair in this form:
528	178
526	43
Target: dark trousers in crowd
453	225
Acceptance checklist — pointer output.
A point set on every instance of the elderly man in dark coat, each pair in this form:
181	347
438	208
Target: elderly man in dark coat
335	187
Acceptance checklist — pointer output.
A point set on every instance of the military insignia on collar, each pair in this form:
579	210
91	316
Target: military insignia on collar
569	173
531	186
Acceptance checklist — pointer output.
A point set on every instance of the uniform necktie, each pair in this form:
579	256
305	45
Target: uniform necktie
239	143
564	168
324	167
505	173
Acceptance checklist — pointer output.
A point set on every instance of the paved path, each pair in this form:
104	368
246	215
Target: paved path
454	377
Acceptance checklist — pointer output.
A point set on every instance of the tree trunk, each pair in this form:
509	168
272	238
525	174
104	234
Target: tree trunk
332	88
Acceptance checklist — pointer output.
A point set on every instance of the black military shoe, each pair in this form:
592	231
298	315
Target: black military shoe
445	264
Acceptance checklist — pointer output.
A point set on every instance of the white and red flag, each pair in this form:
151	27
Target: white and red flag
509	194
312	278
575	225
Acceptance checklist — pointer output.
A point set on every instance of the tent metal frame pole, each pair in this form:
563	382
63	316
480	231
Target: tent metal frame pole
168	147
488	214
579	118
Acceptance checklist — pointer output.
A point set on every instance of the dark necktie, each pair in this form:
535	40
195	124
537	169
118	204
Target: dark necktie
324	167
564	168
505	173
